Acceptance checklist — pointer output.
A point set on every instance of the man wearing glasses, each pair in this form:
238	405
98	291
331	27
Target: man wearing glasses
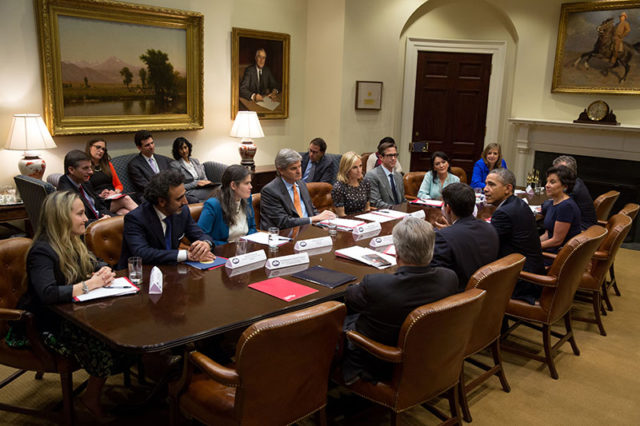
387	188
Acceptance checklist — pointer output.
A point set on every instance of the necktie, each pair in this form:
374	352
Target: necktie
84	196
153	165
308	173
393	189
167	234
296	200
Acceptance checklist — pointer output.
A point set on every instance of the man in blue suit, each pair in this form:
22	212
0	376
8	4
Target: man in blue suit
153	231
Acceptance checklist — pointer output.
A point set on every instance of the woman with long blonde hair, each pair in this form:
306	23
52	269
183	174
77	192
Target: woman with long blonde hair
350	193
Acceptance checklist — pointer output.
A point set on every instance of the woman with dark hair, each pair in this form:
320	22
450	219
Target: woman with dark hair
195	180
561	213
230	215
491	159
104	179
437	178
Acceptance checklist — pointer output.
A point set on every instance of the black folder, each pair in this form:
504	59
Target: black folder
325	277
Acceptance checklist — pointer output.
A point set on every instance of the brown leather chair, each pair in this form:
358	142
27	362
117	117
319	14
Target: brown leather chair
459	171
559	288
412	182
498	279
281	373
320	193
255	202
104	238
364	157
603	204
592	281
195	210
428	357
36	357
631	210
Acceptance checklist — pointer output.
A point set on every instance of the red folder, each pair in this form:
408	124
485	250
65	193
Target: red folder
283	289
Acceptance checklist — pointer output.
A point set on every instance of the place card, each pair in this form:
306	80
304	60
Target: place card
313	243
155	281
367	227
316	251
366	235
382	241
290	270
419	214
244	269
286	261
246	259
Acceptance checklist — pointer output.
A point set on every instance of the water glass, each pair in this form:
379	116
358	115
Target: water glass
274	238
241	247
332	227
135	269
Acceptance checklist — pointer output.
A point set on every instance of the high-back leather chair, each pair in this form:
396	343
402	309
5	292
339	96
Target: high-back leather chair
33	192
255	202
412	182
281	372
593	279
631	210
603	205
214	170
498	279
120	165
54	179
459	171
35	357
320	193
364	157
104	238
195	210
428	358
559	288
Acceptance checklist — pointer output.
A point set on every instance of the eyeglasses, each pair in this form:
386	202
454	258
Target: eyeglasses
391	155
99	148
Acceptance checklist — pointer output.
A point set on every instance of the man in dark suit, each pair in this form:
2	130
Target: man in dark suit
78	171
580	193
146	164
383	301
153	231
467	244
285	201
258	81
316	167
387	186
516	226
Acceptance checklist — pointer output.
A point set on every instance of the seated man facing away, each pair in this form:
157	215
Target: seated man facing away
285	201
78	171
153	231
383	301
387	187
467	243
315	165
146	164
516	226
580	193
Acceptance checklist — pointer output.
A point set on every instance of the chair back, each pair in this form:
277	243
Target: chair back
498	279
54	179
604	203
214	171
459	171
412	182
120	165
195	210
33	192
433	339
13	257
283	364
568	267
631	210
320	193
104	238
255	202
364	157
335	159
618	226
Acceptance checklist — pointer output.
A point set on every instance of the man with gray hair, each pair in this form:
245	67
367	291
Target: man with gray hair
383	301
285	201
580	193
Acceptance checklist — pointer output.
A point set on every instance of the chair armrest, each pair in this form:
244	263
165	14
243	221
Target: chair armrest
543	280
224	375
602	223
600	255
410	197
383	352
11	314
549	255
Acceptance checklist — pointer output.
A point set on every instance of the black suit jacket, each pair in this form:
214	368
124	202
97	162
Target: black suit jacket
249	84
143	236
140	172
581	196
276	207
65	184
324	172
465	246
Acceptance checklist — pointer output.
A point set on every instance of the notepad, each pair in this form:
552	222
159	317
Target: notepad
119	287
325	277
283	289
219	261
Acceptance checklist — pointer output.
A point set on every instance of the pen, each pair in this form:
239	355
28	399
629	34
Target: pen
118	286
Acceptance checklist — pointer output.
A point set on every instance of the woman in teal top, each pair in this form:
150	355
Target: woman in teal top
437	178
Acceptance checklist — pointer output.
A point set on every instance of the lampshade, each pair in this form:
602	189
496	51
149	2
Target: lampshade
28	132
247	125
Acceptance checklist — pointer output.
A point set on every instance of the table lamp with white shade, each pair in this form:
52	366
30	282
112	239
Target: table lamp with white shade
247	126
27	133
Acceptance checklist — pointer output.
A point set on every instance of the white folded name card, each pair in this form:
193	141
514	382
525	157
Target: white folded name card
383	241
286	261
155	281
245	259
313	243
366	235
273	273
419	214
367	227
244	269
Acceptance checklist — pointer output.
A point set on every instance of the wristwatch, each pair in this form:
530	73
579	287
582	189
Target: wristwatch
85	287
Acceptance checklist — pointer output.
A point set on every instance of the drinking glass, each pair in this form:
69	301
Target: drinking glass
274	238
241	247
332	227
135	269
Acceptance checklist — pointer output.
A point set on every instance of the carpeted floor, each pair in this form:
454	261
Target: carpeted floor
601	386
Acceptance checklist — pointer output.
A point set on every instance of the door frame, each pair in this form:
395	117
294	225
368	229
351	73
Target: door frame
498	52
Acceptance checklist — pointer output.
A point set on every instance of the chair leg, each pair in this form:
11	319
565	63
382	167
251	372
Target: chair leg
394	419
454	404
464	403
321	416
497	360
597	305
546	340
66	380
570	333
605	296
39	375
613	281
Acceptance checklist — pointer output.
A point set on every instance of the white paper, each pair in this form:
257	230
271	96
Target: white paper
367	227
268	103
246	259
343	224
375	217
419	214
313	243
535	209
381	241
119	287
358	253
430	203
390	213
286	261
263	238
391	250
519	192
155	281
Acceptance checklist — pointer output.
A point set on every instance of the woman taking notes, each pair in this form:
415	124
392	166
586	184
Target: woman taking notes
350	193
491	159
437	178
561	213
229	215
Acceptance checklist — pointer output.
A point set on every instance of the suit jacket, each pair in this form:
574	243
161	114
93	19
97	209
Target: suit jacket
464	247
65	184
140	172
382	303
249	84
276	206
324	172
381	195
581	196
143	236
189	181
213	224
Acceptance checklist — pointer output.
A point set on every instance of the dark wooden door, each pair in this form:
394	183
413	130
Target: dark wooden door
450	108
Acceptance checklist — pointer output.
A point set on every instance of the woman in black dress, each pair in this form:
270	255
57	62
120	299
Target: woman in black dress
350	193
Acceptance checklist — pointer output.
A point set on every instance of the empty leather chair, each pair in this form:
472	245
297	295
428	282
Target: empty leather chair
459	171
104	238
255	202
603	205
195	210
631	210
364	157
412	182
214	170
320	193
33	192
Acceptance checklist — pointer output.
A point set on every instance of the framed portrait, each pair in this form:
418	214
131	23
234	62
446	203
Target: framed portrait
260	73
369	95
112	67
598	48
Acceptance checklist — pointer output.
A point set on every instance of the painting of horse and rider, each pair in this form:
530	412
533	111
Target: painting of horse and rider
598	49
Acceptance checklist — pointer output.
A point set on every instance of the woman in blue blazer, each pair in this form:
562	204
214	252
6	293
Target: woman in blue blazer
491	159
229	215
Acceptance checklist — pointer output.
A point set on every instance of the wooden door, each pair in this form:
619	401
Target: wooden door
450	108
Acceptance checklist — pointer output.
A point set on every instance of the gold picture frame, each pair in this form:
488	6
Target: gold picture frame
274	54
587	40
111	67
